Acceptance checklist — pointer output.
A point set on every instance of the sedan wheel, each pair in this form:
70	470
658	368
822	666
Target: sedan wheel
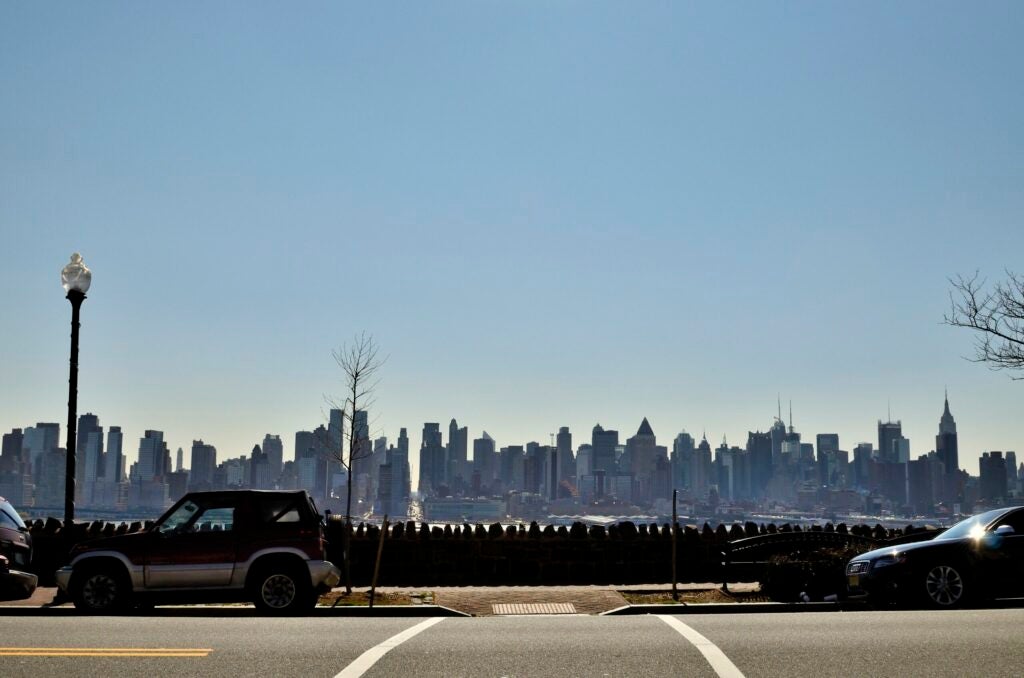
945	586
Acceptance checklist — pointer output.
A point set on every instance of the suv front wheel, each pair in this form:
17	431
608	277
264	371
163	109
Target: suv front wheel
100	590
282	590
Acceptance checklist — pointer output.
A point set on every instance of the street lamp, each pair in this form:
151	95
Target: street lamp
76	279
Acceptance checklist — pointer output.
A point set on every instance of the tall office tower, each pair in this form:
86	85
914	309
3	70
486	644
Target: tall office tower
552	473
828	448
946	442
458	444
484	462
179	465
113	463
203	466
682	459
259	469
603	444
362	456
644	454
40	439
432	460
10	452
888	433
1012	485
702	469
862	459
152	456
992	467
510	465
759	455
335	433
274	449
92	469
566	461
89	445
901	450
584	463
399	458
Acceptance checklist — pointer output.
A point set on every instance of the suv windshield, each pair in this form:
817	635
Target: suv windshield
9	517
964	527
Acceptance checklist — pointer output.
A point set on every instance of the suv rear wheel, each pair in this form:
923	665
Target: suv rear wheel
100	590
282	589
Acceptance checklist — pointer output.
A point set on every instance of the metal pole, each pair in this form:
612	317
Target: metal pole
380	552
76	298
675	528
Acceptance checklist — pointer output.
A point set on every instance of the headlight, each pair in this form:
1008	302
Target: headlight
890	559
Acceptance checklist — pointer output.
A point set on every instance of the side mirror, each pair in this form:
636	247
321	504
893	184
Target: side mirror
1005	530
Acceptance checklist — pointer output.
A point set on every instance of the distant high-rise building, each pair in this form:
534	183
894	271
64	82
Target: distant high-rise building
274	449
888	433
458	443
683	448
946	441
10	452
484	461
566	460
432	460
259	469
604	443
992	481
154	456
203	465
759	454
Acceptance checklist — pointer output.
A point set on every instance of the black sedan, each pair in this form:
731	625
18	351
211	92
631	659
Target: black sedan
979	558
15	555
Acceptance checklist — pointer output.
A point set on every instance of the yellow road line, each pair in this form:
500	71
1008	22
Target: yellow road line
102	652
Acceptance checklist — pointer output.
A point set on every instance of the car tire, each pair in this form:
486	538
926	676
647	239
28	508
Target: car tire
945	586
282	590
101	590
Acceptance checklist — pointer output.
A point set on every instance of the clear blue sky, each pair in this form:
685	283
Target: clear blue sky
547	213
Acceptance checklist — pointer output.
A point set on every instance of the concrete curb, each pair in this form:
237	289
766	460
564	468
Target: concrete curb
734	608
241	611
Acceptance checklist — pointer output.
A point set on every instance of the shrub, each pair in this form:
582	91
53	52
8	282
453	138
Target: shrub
816	573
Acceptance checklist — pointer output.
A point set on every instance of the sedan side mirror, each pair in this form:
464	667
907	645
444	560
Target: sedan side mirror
1005	530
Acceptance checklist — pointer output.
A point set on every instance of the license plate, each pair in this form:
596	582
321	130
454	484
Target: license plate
853	580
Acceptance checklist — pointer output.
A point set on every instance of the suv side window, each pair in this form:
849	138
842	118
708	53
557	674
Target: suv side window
1014	520
284	510
215	520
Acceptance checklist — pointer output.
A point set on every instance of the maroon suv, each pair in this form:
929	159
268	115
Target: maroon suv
263	546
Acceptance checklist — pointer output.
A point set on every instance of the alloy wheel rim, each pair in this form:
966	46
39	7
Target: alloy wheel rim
278	590
944	584
99	591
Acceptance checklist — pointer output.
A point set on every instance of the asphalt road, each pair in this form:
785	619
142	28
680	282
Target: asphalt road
888	643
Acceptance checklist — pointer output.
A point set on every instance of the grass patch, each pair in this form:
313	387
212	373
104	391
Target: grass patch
693	597
362	598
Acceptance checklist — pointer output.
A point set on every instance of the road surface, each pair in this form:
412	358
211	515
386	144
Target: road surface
876	643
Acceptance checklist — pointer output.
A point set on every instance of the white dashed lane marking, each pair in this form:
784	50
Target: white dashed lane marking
722	665
366	660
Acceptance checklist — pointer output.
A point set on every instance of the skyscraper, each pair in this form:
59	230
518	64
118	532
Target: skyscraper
274	449
432	460
888	433
566	461
946	442
603	444
203	466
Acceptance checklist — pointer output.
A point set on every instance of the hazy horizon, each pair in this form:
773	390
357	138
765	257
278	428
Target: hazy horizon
546	215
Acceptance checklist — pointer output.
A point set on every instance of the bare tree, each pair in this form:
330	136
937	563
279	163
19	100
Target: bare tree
996	315
360	363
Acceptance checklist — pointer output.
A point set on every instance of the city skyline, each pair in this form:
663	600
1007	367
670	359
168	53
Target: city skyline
546	216
284	440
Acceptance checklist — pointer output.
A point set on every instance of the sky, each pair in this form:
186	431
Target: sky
546	214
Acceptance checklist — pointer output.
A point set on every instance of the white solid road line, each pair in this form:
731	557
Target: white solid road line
367	659
722	665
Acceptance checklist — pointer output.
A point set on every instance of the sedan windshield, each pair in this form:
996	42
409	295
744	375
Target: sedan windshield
965	527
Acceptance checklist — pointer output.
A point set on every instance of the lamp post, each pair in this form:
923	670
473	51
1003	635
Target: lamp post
75	278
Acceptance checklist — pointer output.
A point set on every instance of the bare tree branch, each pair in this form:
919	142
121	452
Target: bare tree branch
360	363
996	315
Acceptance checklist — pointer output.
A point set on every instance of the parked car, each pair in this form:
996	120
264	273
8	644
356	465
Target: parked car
15	555
267	547
979	558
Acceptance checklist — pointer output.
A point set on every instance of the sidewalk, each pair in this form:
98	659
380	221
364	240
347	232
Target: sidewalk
481	600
